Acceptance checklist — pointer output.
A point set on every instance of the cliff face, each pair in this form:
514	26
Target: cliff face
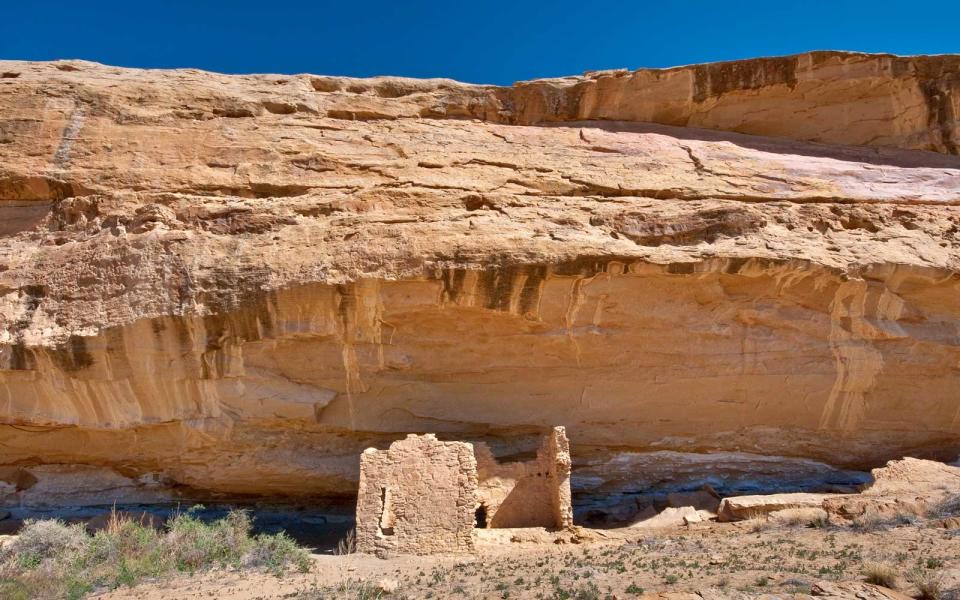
236	283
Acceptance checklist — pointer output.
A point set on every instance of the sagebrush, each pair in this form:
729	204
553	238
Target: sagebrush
50	559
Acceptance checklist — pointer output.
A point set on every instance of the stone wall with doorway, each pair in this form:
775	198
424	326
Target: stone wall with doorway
534	493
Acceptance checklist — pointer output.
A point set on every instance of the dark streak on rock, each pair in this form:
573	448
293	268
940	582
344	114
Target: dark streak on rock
452	285
73	355
243	312
941	116
716	79
21	357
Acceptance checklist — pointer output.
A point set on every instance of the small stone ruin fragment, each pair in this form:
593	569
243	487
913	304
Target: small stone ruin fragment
426	496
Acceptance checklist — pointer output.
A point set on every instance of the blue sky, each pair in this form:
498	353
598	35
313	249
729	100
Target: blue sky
483	42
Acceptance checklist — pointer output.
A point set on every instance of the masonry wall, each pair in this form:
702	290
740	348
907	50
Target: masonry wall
532	493
417	497
558	452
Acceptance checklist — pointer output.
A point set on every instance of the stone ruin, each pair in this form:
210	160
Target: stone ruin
426	496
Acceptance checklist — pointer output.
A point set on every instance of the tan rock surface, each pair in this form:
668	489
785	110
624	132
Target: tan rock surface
805	516
909	486
670	517
855	589
237	283
738	508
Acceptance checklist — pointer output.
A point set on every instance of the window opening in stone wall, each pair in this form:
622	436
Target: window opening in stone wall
387	518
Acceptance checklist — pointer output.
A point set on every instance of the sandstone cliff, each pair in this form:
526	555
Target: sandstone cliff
235	283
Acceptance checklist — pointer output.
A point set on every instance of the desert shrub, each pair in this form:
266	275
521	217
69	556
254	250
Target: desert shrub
880	574
275	552
758	523
818	523
52	560
47	539
195	544
948	507
351	588
875	522
122	554
587	591
929	583
797	586
13	590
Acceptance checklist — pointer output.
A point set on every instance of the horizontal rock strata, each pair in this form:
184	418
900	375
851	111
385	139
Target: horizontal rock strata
234	284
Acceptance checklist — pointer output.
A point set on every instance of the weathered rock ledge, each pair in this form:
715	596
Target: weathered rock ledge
235	283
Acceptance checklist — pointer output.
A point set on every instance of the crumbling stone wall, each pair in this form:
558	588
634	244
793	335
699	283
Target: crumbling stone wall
417	497
533	493
559	457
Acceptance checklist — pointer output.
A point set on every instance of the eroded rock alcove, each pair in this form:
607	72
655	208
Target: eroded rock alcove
742	274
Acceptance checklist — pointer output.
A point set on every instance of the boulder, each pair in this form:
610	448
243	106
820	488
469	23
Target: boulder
738	508
671	517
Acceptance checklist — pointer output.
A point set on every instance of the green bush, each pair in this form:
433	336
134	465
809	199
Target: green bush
50	559
587	591
634	589
275	552
197	545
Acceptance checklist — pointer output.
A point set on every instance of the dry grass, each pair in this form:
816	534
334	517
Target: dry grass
759	522
351	588
50	559
929	583
880	574
948	507
347	545
722	559
875	522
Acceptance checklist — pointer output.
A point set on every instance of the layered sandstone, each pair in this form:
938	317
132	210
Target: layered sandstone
234	284
902	487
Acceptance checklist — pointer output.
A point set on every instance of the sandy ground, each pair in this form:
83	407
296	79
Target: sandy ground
747	558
